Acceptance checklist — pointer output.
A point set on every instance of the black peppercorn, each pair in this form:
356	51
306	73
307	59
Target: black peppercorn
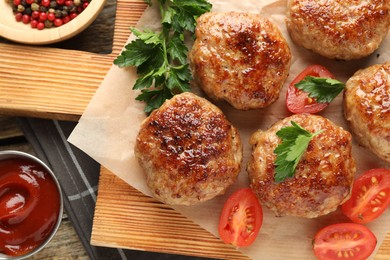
53	4
48	24
46	13
27	11
58	13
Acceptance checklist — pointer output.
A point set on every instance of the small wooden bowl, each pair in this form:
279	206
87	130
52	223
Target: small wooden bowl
23	33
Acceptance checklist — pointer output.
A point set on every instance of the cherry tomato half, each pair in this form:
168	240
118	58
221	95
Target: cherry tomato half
241	218
370	196
344	241
298	101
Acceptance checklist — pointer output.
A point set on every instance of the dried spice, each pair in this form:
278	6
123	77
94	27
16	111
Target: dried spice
42	14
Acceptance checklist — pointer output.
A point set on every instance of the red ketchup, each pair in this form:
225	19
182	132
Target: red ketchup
29	206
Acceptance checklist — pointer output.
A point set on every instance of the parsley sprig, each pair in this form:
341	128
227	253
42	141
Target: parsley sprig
324	90
295	141
161	57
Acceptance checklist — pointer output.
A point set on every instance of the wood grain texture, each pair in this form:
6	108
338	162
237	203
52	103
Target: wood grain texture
60	88
65	244
126	218
19	32
58	83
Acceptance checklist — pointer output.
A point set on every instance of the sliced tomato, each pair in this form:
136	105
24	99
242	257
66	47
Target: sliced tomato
370	196
241	218
298	101
344	241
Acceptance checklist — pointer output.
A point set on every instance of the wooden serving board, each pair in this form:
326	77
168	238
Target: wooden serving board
61	88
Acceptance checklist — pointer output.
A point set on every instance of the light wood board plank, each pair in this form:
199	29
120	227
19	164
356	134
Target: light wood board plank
55	83
61	88
126	218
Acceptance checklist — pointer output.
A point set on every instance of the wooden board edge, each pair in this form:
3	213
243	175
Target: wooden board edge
126	218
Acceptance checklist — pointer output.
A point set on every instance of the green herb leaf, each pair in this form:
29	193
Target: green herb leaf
295	141
144	82
177	49
136	53
168	16
154	98
148	36
178	80
161	57
324	90
149	2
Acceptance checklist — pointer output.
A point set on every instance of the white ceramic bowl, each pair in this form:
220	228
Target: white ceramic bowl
21	155
23	33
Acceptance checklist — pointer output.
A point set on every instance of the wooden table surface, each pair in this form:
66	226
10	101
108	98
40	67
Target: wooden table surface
65	244
97	38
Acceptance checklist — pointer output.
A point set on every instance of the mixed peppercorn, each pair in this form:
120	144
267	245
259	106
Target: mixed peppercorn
42	14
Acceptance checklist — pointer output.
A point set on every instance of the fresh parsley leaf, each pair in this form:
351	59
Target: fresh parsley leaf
295	141
178	80
177	49
135	54
168	16
194	7
161	57
154	98
148	36
324	90
144	82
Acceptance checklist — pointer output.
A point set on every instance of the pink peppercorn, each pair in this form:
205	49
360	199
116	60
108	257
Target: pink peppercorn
51	17
42	14
35	15
34	23
66	19
18	17
45	3
40	26
26	18
58	22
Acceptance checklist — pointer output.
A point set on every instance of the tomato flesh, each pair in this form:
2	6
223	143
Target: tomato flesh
298	101
241	218
344	241
370	196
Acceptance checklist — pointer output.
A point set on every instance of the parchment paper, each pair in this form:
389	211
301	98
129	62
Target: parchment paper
108	128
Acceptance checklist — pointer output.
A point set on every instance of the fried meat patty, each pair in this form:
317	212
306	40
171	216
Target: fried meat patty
367	108
239	57
323	177
341	29
189	151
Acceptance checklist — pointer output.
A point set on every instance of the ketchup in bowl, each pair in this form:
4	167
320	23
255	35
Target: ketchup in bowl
30	204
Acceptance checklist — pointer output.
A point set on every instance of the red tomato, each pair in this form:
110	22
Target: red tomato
298	101
241	218
370	196
344	241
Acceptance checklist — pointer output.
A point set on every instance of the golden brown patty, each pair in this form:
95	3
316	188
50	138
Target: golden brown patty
367	108
189	150
239	57
342	29
323	177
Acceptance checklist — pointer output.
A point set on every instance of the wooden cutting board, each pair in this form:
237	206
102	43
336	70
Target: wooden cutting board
61	88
